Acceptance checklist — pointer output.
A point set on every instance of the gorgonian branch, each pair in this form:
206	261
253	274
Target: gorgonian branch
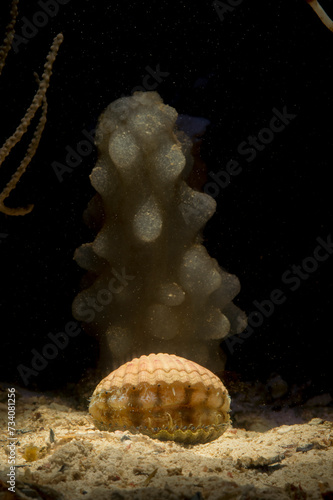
325	19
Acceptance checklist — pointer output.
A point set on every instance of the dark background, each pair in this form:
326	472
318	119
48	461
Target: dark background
262	55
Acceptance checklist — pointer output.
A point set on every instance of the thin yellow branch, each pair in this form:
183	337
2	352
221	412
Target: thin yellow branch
38	100
325	19
32	148
9	36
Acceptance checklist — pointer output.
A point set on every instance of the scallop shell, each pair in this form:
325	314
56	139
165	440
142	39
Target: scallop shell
164	396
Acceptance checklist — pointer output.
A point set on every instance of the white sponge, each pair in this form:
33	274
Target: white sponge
151	287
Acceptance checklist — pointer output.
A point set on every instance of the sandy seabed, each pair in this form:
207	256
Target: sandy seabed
61	455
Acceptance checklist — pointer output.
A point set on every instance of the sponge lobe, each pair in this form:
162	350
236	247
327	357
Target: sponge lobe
151	287
147	223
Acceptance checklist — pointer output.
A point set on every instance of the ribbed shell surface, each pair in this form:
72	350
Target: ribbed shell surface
156	368
164	396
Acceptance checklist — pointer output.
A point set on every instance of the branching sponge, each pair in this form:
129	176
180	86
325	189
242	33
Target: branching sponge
151	285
